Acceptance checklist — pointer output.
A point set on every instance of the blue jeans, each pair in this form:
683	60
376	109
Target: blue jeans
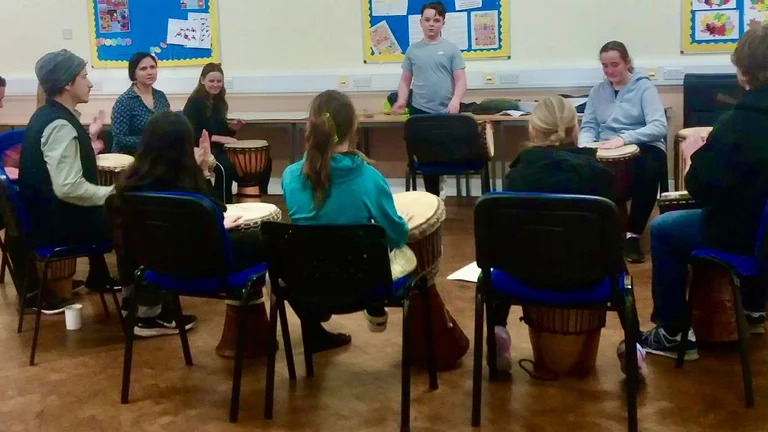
674	236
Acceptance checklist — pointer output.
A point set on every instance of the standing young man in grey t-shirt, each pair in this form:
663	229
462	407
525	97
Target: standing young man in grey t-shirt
434	68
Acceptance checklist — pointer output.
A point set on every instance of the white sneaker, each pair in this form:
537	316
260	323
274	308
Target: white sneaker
503	344
377	324
641	367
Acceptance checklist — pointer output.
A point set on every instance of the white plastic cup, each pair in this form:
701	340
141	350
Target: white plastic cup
73	316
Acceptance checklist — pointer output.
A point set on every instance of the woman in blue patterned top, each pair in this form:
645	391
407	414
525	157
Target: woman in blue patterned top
133	108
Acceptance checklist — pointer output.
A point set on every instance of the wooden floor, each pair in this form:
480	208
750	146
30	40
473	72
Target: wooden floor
76	384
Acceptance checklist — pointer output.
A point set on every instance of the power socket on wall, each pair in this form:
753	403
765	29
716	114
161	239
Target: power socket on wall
509	78
674	74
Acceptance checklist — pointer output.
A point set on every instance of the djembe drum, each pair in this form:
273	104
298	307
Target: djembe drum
673	201
110	165
425	214
257	323
250	158
564	341
60	274
681	136
714	316
619	161
486	137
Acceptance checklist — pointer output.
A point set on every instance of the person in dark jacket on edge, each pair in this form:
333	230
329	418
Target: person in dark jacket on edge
729	177
552	164
58	174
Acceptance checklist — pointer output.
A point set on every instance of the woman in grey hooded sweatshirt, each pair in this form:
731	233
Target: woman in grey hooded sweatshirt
625	109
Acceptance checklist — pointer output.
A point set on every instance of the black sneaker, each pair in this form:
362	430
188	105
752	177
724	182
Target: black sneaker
55	306
657	341
161	325
632	251
103	286
755	321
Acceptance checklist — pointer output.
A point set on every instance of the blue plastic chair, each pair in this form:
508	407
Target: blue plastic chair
445	144
18	224
738	268
352	273
8	139
561	251
182	248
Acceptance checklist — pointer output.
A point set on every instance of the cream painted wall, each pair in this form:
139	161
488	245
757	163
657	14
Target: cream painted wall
306	36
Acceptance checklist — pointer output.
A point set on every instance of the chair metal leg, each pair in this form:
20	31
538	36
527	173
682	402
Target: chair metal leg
118	309
414	180
405	378
269	396
38	312
490	341
183	330
746	369
23	296
631	333
485	180
237	374
130	322
104	305
429	340
286	341
683	347
407	180
308	365
3	266
468	185
477	364
458	186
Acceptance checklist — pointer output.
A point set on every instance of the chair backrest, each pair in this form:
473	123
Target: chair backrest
174	233
549	241
706	97
14	216
11	138
761	246
443	138
337	268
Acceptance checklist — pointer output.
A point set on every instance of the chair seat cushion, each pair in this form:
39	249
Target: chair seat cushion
740	264
510	286
235	281
448	168
43	251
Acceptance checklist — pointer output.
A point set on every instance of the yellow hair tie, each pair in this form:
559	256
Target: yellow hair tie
331	125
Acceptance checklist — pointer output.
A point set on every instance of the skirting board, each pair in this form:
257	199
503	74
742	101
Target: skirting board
374	79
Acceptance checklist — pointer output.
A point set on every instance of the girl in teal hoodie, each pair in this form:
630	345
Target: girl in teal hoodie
334	185
625	109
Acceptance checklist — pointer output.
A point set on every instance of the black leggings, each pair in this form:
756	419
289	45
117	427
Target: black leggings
648	172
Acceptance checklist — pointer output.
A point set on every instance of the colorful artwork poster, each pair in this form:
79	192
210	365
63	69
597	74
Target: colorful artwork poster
114	16
713	4
758	5
754	18
383	41
485	30
715	26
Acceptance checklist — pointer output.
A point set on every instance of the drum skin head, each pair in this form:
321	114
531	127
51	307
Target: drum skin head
113	160
246	144
704	131
624	152
424	212
254	211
